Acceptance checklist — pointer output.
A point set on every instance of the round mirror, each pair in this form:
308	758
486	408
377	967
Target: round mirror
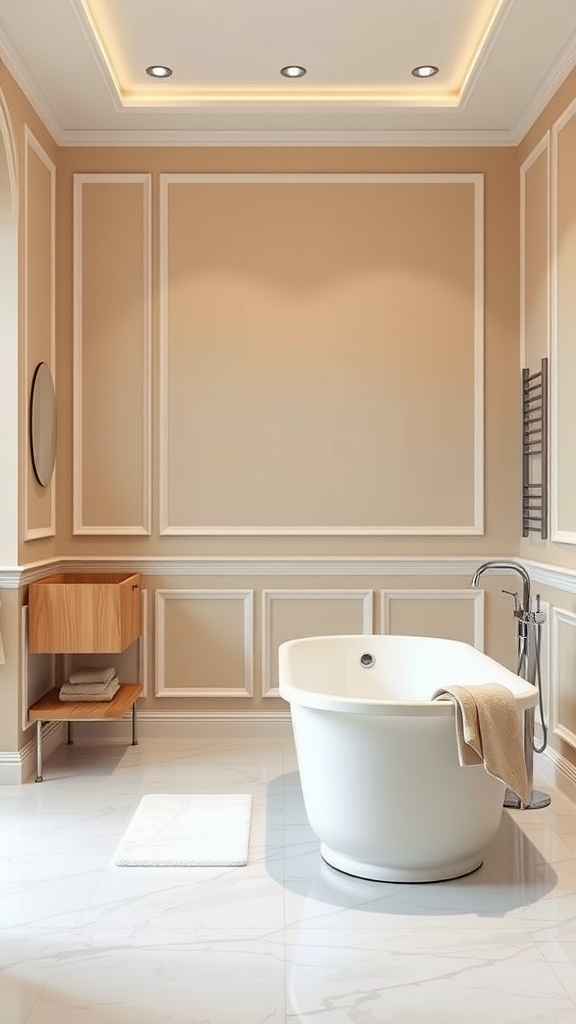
43	424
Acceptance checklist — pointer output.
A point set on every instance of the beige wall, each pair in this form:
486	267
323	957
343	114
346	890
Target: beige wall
292	357
307	366
547	158
30	339
35	157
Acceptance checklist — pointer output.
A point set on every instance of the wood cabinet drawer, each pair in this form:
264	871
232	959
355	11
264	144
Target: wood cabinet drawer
84	613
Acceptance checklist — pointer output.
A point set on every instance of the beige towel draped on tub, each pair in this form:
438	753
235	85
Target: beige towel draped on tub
488	732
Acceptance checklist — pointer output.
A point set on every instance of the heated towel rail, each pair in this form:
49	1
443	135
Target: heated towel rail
535	451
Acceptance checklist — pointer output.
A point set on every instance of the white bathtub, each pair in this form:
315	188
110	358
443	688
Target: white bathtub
382	786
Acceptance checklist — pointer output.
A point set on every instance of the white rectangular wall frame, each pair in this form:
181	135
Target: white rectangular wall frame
388	597
541	149
562	620
170	524
545	648
32	150
364	598
139	466
561	404
38	671
191	653
143	646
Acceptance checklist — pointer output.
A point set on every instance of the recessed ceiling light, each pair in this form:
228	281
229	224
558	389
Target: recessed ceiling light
293	71
159	71
425	71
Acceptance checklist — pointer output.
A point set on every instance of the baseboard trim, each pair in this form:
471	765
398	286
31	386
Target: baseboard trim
274	725
556	770
18	766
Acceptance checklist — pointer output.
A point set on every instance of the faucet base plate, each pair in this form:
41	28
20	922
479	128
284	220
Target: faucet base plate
538	800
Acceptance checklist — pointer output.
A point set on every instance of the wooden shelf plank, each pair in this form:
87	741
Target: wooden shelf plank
51	709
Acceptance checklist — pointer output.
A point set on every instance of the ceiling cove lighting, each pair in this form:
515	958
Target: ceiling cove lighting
159	71
293	71
425	71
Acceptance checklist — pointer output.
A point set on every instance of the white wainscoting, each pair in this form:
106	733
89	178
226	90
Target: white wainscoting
473	595
563	626
38	671
545	649
245	600
326	600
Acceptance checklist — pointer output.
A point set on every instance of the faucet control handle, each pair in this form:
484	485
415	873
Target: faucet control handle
514	594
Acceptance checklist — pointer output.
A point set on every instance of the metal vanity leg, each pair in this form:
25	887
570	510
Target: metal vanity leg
39	752
134	738
70	740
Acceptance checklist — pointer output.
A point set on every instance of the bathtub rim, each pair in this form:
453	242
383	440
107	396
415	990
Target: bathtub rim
526	697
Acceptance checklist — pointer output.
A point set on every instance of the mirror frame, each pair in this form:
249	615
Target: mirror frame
43	424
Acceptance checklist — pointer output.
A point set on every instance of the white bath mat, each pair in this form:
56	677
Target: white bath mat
187	830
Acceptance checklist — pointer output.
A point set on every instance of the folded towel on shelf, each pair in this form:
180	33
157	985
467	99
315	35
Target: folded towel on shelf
72	695
88	674
488	732
86	688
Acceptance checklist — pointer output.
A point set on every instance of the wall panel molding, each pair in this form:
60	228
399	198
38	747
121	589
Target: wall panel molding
33	148
476	596
38	671
143	645
560	617
269	597
561	532
81	522
541	149
545	673
245	598
169	523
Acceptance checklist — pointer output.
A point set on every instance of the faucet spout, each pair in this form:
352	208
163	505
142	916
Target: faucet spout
505	566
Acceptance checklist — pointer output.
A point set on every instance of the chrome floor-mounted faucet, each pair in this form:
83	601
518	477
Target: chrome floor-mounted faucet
527	666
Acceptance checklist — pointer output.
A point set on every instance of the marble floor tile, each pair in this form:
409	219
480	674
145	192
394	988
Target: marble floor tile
286	939
148	976
558	952
213	897
377	976
46	902
27	960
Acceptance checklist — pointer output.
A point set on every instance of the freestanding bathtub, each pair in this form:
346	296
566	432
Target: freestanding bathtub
382	786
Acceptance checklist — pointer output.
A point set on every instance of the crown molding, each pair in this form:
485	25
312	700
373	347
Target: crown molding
120	137
348	138
557	74
24	78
